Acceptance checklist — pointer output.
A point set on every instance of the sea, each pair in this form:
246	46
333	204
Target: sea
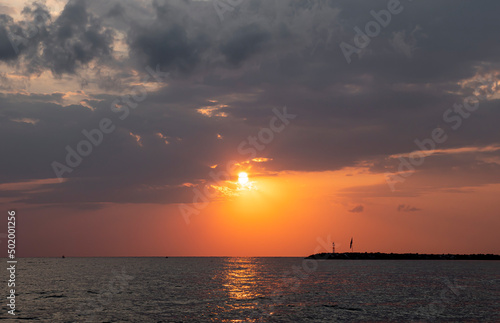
252	290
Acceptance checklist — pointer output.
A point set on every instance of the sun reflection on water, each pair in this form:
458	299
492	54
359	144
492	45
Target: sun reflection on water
243	282
241	279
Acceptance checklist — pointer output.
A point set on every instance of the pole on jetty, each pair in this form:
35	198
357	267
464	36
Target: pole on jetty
333	247
350	246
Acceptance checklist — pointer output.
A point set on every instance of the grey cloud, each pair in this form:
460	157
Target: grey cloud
72	40
116	11
407	208
22	38
357	209
264	54
7	51
170	48
76	38
244	42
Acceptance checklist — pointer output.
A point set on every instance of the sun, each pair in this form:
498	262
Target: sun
243	178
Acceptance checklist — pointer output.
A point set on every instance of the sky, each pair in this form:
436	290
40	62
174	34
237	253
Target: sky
126	127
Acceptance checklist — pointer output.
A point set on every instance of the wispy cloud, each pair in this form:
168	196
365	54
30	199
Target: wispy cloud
358	209
407	208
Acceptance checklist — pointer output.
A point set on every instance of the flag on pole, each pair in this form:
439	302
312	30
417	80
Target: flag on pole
350	246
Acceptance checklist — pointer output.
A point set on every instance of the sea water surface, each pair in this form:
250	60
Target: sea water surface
254	290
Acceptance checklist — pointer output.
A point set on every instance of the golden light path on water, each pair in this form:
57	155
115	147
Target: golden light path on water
243	284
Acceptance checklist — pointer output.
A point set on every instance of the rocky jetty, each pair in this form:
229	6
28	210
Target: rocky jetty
401	256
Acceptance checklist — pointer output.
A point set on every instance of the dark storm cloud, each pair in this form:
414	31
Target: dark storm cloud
76	38
244	42
22	38
167	48
72	40
7	51
262	55
169	39
116	11
153	172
